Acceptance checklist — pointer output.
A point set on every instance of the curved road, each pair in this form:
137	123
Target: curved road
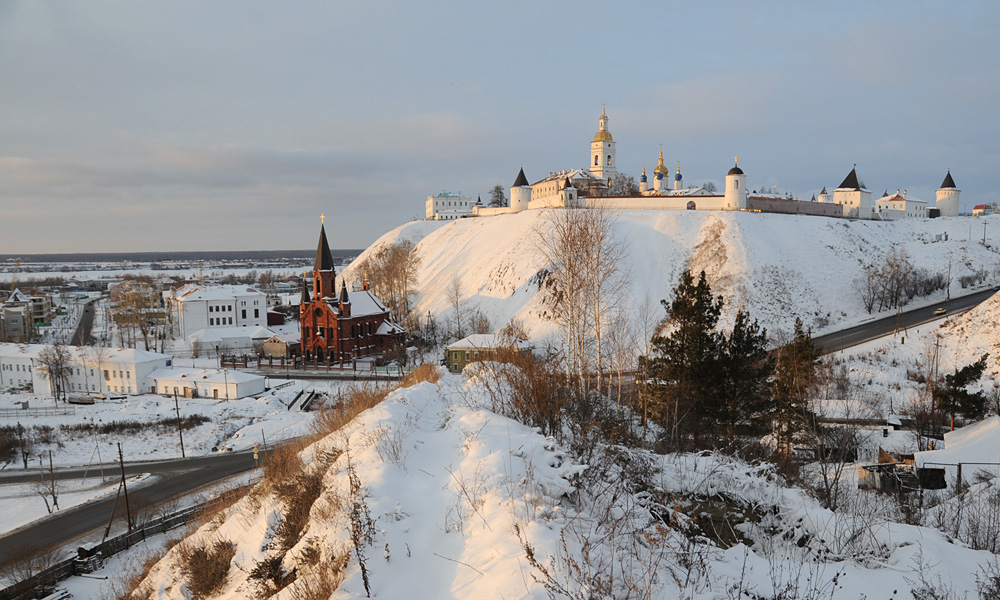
172	478
832	342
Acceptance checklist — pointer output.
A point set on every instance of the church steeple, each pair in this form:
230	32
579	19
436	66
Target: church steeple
324	277
324	259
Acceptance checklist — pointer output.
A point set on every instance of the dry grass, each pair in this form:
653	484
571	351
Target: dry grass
425	372
206	567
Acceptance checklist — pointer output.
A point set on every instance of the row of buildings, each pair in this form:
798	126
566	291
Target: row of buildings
593	186
87	371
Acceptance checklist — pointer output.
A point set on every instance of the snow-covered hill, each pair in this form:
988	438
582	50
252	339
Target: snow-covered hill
446	499
777	266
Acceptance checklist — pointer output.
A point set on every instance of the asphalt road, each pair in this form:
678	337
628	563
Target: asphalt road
85	325
172	479
910	319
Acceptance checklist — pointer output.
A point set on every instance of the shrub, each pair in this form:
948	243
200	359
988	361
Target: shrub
206	566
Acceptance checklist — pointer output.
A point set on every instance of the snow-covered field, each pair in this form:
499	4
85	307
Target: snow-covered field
778	266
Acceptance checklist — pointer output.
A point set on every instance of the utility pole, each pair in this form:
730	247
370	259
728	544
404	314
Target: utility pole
984	231
52	480
128	512
179	431
20	437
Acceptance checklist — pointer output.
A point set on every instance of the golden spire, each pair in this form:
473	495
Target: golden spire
660	167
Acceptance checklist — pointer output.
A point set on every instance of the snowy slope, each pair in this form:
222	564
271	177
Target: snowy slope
777	266
454	492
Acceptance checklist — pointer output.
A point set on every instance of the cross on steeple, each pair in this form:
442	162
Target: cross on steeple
322	218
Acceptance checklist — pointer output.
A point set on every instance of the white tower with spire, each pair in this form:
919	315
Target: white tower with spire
736	188
603	163
947	197
520	193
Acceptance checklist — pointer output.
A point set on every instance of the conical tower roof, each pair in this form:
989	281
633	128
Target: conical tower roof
521	180
851	182
324	259
948	181
344	299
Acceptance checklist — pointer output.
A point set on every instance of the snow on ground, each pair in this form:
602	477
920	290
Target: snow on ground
777	266
234	425
457	494
22	504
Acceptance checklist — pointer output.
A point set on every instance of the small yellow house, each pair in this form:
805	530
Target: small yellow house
479	347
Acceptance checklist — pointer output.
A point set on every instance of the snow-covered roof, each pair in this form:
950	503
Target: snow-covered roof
364	303
219	334
83	354
17	296
216	292
573	174
202	375
388	327
977	443
898	197
489	341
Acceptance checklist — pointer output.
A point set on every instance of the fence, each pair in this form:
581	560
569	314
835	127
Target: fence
13	413
42	583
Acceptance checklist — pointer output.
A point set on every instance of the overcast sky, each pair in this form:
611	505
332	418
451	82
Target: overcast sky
230	125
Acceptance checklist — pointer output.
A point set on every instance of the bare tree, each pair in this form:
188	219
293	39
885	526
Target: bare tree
584	281
623	185
454	293
605	274
137	311
560	240
868	285
392	273
55	364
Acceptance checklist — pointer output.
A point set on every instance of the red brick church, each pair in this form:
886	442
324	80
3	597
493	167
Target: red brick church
337	329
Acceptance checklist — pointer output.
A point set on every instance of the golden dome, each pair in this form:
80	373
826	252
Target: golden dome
603	135
661	168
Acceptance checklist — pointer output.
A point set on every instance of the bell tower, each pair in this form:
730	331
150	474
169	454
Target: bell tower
603	163
323	273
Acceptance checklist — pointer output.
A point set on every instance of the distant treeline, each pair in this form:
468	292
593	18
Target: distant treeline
170	256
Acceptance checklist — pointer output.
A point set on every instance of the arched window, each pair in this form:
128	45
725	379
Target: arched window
736	184
609	160
595	160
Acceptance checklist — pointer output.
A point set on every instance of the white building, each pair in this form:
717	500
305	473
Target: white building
855	199
227	340
91	370
195	308
221	384
898	206
447	206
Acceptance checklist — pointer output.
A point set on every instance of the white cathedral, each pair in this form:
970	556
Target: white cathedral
592	187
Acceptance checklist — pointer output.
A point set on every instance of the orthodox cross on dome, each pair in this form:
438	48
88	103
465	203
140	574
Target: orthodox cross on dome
736	159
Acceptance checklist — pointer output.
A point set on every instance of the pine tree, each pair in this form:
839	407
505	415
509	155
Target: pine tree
684	365
794	376
953	397
745	370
